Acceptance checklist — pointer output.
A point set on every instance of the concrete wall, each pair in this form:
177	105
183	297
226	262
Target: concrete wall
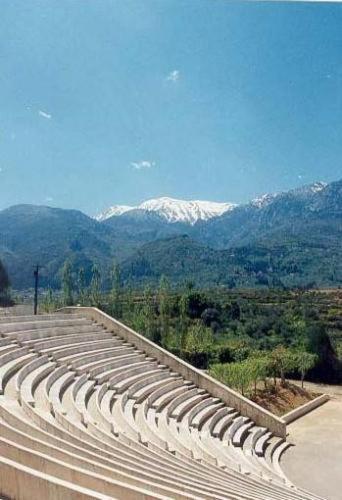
246	407
304	409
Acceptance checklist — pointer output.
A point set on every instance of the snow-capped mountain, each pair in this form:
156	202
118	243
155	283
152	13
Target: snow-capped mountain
173	210
114	210
190	212
186	211
263	201
303	191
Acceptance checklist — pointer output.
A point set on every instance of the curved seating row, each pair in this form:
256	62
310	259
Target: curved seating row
84	414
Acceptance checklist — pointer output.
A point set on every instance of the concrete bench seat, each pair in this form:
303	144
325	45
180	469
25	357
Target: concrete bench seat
179	396
209	425
160	392
80	398
261	442
146	427
140	389
35	318
187	404
170	394
47	383
116	375
223	424
48	333
99	357
19	477
26	370
138	375
147	389
205	414
241	432
198	409
70	436
12	362
102	409
16	327
114	362
43	435
56	390
80	348
7	341
125	485
233	428
121	467
276	457
30	382
120	422
5	348
67	339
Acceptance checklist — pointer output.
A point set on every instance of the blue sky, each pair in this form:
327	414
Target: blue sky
118	101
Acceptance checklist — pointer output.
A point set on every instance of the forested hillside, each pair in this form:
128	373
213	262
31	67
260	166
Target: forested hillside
287	240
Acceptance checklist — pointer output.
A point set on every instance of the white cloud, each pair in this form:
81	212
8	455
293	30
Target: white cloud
48	199
173	76
0	170
143	164
44	114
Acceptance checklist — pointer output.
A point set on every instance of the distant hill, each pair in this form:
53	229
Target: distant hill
286	239
183	259
31	235
300	213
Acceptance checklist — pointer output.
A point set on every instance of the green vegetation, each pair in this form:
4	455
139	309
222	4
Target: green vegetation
294	241
243	337
5	296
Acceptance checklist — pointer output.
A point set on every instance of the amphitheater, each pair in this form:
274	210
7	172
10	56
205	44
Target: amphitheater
90	409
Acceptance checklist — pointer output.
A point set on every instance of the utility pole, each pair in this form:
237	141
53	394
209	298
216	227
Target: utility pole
36	278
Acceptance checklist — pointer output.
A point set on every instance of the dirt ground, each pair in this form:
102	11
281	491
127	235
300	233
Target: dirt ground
284	399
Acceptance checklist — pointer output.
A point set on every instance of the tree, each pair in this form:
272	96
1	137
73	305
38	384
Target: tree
183	318
115	295
95	286
235	311
199	338
49	302
5	284
164	309
235	375
305	361
81	285
258	366
67	284
282	361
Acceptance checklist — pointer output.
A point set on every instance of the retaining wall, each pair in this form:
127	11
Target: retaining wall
304	409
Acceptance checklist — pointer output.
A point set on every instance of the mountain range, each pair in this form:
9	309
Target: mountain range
172	210
285	239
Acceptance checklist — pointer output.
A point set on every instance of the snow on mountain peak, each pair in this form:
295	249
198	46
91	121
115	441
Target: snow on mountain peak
173	210
111	211
263	201
318	186
185	211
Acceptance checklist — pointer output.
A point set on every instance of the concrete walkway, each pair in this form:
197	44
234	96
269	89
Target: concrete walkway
315	462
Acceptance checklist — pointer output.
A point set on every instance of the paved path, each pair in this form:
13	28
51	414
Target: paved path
315	462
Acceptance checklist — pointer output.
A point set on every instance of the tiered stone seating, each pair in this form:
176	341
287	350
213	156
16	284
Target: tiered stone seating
84	413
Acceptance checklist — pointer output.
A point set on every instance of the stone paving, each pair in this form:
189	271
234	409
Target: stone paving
315	462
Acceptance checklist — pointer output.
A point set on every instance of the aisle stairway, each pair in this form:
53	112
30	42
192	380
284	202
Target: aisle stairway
86	415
